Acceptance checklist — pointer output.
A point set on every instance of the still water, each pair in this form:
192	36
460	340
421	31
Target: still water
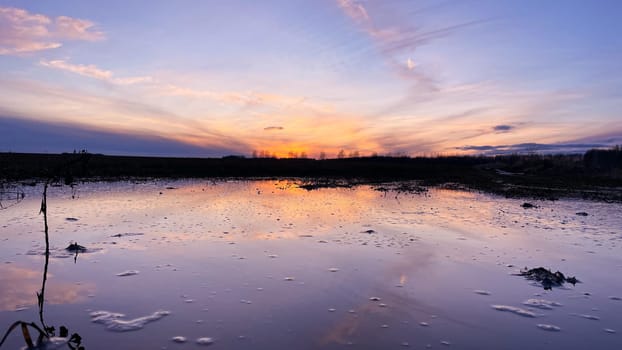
267	265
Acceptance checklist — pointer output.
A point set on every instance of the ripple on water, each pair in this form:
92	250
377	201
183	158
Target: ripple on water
113	321
514	310
481	292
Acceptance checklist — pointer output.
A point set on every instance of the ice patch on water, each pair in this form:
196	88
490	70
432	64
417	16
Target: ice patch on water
589	317
53	343
205	341
113	321
128	273
514	310
548	327
179	339
541	303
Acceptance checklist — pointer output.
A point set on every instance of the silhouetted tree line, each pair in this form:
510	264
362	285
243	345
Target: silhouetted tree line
604	159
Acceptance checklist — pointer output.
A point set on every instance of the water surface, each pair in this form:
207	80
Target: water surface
265	264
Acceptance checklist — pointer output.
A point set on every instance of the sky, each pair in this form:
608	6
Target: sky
213	78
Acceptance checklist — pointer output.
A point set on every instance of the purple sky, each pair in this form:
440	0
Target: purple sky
211	78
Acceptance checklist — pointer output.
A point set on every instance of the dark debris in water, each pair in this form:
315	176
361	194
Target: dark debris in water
75	248
547	278
316	185
528	205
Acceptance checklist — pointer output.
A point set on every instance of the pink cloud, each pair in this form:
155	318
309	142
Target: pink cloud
354	9
92	71
23	32
76	29
86	70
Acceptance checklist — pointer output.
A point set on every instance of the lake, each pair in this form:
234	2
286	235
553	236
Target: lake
267	265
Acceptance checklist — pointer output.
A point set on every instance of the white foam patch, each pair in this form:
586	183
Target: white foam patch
590	317
514	310
128	273
541	303
179	339
205	341
548	327
52	343
113	321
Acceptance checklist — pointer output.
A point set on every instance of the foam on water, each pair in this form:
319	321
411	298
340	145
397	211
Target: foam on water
53	343
589	317
179	339
514	310
128	273
548	327
205	341
113	321
541	303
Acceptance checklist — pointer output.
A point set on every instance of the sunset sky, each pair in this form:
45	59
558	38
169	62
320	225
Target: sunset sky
212	78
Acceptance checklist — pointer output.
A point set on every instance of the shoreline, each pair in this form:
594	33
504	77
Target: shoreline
529	176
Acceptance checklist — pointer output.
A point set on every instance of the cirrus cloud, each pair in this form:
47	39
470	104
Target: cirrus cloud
22	32
92	71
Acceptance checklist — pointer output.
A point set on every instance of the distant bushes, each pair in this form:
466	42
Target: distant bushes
609	160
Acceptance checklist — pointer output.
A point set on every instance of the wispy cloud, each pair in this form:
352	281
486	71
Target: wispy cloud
247	99
390	27
92	71
23	32
354	9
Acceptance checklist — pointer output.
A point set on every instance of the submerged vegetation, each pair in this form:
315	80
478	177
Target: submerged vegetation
547	278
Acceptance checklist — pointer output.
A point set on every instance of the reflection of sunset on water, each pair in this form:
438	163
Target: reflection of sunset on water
19	286
291	268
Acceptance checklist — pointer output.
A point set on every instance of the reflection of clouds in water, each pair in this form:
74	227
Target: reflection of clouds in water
19	286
